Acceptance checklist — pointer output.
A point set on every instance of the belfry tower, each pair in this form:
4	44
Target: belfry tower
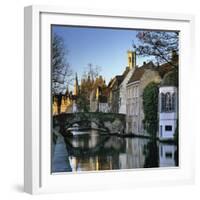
131	59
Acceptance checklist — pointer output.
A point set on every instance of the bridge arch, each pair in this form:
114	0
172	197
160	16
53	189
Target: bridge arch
111	122
87	123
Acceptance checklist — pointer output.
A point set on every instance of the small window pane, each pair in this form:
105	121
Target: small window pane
168	128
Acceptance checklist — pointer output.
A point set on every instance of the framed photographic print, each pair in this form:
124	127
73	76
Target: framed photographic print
105	99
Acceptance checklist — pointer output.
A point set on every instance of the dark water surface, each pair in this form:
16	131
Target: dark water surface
92	151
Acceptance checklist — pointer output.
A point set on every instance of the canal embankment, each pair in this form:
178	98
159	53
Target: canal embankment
60	161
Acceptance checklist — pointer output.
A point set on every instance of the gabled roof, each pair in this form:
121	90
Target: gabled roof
170	79
125	72
164	68
139	71
117	80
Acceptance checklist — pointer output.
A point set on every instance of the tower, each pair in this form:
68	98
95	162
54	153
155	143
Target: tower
131	59
97	94
76	87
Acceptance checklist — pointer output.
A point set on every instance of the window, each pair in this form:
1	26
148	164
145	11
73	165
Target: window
173	101
120	101
161	151
129	59
168	155
135	126
168	128
136	107
161	134
137	91
167	102
129	126
162	102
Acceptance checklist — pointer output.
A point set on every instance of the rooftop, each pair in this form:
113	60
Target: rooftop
139	71
170	79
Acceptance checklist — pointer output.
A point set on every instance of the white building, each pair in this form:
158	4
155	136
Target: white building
122	87
168	107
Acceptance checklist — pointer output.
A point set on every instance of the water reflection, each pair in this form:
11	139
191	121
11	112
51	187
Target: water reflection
96	151
168	155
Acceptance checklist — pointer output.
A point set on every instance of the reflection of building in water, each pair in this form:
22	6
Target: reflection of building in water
134	156
110	153
167	155
92	163
168	105
96	153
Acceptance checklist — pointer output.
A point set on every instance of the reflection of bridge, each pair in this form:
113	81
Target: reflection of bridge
78	151
106	145
110	122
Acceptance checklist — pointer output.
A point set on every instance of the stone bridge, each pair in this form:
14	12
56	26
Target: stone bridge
108	122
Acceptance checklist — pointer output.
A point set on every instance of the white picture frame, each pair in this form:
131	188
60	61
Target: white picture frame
37	151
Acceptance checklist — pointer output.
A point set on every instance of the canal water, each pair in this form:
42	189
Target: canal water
93	150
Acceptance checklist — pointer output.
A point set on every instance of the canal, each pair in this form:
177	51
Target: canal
93	150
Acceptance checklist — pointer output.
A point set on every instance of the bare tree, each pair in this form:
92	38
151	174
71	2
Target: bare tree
92	71
159	45
61	72
89	81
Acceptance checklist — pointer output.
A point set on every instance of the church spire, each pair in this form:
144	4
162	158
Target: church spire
76	87
67	91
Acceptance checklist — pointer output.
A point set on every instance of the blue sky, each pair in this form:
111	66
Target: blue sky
102	47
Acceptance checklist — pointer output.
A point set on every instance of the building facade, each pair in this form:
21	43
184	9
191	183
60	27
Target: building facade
113	93
122	88
142	76
168	107
98	100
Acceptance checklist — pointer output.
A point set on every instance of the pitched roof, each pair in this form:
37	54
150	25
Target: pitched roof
118	78
125	72
162	70
139	71
165	68
170	78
